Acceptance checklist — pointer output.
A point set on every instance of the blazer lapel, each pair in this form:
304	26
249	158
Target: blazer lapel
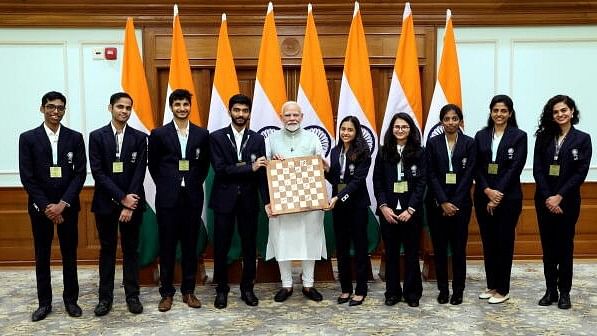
173	135
45	141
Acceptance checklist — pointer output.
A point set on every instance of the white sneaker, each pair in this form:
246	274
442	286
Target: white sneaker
487	294
495	300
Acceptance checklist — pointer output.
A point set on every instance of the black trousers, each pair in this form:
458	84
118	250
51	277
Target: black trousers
43	233
179	224
393	236
497	235
350	226
246	224
449	233
107	228
557	241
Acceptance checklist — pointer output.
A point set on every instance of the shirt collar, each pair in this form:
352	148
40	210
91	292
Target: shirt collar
178	129
50	133
114	128
236	133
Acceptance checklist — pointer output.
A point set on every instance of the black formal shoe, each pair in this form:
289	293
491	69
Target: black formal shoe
221	300
73	309
354	302
41	313
249	298
551	296
312	294
443	297
392	300
283	294
456	298
102	308
564	302
412	303
134	305
342	300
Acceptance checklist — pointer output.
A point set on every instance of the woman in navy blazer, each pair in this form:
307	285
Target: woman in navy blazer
399	179
450	166
349	165
501	155
561	163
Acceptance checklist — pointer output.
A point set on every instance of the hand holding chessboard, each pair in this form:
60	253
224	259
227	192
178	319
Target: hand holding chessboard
297	185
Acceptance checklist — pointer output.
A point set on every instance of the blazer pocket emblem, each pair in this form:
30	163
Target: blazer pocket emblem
510	153
464	160
351	169
69	157
133	157
197	152
574	152
413	170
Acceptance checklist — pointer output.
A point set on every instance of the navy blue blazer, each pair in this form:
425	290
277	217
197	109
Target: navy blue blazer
463	164
164	155
511	157
111	188
385	174
235	182
355	177
35	159
574	160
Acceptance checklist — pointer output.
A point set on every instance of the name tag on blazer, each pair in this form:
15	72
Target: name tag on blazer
450	178
55	172
183	165
492	169
117	167
400	187
554	170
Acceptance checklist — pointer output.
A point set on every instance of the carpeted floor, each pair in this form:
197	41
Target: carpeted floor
298	316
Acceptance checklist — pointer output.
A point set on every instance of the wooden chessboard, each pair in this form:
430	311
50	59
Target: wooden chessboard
297	185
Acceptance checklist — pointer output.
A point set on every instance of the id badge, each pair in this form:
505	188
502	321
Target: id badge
341	186
450	178
400	187
117	167
554	170
183	165
55	172
492	168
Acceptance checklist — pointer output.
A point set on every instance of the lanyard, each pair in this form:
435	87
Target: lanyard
450	151
242	147
342	164
117	137
558	146
495	145
400	165
183	138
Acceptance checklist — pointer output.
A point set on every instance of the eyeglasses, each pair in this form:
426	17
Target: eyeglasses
402	127
52	107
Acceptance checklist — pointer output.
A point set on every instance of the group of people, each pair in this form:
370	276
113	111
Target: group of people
52	165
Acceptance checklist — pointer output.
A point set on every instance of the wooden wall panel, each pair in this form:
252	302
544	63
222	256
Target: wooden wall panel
16	242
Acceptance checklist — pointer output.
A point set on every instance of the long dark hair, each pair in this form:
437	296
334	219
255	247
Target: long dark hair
412	148
509	104
359	149
548	128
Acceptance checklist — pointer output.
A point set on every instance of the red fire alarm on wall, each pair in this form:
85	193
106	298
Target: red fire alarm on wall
110	53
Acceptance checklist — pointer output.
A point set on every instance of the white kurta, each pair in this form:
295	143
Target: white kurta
297	236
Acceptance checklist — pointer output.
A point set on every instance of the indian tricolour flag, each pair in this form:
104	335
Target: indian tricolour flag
405	89
447	86
270	90
356	98
314	98
356	90
180	72
134	83
268	97
225	85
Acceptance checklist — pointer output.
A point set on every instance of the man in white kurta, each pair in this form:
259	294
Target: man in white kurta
297	236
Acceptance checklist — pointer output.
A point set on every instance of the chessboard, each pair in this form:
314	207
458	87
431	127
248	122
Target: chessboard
297	185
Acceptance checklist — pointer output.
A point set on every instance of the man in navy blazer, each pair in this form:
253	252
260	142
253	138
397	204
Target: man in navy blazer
118	160
238	160
178	163
52	168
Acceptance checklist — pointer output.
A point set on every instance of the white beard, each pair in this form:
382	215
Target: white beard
292	128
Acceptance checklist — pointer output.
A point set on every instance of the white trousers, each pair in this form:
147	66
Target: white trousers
286	272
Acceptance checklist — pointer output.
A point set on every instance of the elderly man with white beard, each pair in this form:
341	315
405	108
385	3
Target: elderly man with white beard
297	236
